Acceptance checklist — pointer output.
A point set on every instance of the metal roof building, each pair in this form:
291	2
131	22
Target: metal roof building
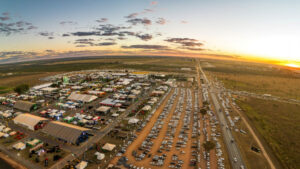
82	97
24	106
66	132
29	120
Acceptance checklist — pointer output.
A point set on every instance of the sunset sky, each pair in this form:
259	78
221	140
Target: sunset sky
256	29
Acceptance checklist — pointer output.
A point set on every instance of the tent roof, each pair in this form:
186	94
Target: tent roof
23	105
82	97
103	108
133	121
64	131
28	119
108	147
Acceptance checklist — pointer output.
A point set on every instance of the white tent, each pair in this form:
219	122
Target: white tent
115	115
19	146
81	165
108	147
82	97
133	121
100	156
146	108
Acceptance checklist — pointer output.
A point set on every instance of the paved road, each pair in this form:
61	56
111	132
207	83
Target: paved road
232	148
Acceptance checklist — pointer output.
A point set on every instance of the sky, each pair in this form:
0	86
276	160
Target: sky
256	29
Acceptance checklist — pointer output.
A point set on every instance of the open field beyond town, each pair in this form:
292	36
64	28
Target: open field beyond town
256	78
278	124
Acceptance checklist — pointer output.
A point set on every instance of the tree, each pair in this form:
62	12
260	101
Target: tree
209	145
203	111
22	88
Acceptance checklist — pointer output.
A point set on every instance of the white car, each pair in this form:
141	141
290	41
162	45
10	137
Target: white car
235	159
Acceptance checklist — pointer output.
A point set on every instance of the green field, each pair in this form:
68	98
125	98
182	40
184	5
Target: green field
278	123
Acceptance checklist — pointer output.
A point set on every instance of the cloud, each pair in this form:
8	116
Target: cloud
137	21
184	22
49	35
106	44
154	47
113	32
8	28
65	34
49	51
91	33
186	42
161	21
89	42
154	3
5	16
144	37
132	15
63	23
102	20
13	56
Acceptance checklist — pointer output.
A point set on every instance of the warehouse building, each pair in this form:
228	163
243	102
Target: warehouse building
30	121
25	106
103	109
66	132
82	97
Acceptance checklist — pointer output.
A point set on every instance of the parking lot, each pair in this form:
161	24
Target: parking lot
174	135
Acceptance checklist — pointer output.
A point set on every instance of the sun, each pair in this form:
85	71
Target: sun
292	65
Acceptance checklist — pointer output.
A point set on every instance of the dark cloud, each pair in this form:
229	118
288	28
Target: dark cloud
89	42
46	33
156	47
8	28
49	51
122	38
132	15
111	39
102	20
142	21
161	21
65	34
106	44
144	37
109	28
113	32
92	33
67	23
185	42
135	14
5	16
